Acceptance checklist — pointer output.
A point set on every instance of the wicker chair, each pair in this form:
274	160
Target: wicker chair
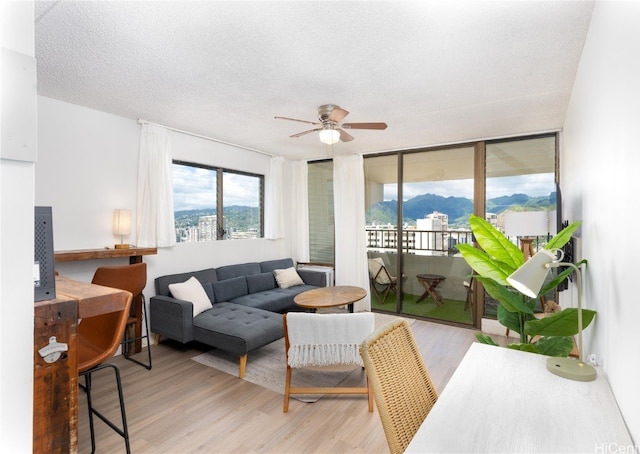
402	387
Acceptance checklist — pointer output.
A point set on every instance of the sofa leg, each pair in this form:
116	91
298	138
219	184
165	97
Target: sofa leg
243	366
157	339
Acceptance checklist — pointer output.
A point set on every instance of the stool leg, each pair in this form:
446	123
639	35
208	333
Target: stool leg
87	388
124	432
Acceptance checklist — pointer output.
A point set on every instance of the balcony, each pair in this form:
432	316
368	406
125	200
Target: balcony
429	252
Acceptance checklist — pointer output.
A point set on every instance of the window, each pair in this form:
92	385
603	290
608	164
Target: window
212	203
321	229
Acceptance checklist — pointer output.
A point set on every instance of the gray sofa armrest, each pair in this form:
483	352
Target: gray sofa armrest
310	277
172	318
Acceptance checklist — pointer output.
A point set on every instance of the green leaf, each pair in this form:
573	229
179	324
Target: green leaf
555	346
495	243
563	323
563	236
484	339
510	299
508	319
484	265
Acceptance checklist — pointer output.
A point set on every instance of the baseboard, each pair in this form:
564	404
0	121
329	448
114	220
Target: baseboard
491	326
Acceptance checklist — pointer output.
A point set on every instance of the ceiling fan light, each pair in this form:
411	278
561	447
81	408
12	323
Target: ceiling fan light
329	136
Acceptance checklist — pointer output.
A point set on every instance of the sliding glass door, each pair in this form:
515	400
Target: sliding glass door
413	228
437	199
418	205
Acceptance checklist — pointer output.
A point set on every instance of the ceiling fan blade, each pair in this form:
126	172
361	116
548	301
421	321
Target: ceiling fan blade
379	126
344	136
306	132
295	119
338	114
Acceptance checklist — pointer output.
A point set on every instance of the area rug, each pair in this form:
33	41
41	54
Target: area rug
266	367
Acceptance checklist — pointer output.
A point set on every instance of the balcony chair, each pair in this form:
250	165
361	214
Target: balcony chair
322	340
402	387
132	278
98	339
382	282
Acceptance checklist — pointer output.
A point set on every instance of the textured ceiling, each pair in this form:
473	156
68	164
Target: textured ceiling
435	71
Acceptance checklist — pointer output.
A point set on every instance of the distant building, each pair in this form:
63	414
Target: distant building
432	236
207	226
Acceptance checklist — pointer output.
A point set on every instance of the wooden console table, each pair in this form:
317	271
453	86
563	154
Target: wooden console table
135	255
55	384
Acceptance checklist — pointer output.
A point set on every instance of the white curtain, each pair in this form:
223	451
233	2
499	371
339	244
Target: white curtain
350	248
300	211
155	226
274	217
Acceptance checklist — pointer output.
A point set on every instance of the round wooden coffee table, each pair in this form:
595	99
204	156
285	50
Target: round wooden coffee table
322	297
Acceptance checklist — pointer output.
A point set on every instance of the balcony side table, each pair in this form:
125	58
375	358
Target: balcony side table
429	282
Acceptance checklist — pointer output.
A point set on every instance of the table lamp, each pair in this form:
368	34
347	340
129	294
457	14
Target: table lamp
528	280
121	226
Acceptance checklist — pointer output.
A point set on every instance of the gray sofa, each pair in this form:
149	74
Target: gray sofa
245	314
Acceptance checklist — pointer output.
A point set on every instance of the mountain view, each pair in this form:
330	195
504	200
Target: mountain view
243	218
457	208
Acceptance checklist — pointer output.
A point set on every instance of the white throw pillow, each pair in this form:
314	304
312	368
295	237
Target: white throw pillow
192	290
288	278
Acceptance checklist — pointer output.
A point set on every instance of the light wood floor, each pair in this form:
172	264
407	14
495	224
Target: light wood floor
181	406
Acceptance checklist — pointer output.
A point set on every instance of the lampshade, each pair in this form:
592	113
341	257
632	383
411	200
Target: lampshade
529	278
329	136
526	223
121	222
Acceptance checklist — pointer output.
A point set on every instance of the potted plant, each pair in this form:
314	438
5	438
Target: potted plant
497	260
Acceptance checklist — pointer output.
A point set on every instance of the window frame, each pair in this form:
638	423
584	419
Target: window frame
221	232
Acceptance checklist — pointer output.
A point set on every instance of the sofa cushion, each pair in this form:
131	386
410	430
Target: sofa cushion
260	282
241	269
276	300
287	278
230	288
162	283
237	329
269	265
191	290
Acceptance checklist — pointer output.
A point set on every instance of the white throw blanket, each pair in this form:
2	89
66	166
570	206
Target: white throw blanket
327	339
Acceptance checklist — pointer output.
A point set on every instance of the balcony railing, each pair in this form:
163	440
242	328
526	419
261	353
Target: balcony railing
428	242
432	242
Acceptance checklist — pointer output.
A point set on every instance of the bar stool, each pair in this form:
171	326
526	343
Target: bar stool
98	339
132	278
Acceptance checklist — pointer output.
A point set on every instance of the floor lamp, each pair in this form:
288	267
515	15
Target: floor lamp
528	279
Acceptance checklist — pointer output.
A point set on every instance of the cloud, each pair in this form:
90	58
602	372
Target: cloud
534	185
194	188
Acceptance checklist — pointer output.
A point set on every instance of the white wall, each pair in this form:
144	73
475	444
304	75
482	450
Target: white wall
16	264
87	167
599	173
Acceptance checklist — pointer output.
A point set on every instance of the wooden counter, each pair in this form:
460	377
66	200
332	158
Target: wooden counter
55	385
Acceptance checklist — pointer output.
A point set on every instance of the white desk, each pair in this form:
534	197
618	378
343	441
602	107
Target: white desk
502	400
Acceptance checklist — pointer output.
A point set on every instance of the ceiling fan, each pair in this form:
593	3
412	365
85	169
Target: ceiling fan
330	126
